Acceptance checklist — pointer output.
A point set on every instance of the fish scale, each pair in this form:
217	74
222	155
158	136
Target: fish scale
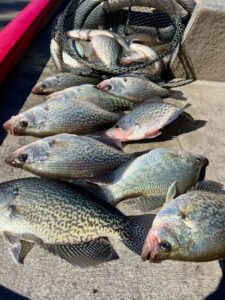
81	219
55	116
89	93
145	121
68	156
150	175
191	225
65	220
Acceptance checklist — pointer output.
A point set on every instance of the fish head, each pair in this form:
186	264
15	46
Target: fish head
169	238
26	123
43	87
115	86
30	155
159	245
181	232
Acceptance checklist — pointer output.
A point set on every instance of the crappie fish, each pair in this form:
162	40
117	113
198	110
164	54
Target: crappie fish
141	54
89	94
107	49
164	34
190	227
143	38
68	156
134	88
57	116
149	176
74	66
171	7
146	121
66	221
60	82
88	34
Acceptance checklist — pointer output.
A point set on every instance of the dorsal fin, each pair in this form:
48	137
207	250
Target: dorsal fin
210	186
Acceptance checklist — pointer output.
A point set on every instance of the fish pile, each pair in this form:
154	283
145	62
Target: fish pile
71	208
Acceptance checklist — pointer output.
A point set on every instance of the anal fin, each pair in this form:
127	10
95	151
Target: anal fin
85	254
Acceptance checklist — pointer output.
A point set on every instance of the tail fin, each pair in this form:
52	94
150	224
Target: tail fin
176	115
102	137
136	232
105	193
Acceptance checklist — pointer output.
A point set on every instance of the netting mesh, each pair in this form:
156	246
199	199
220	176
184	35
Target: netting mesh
161	18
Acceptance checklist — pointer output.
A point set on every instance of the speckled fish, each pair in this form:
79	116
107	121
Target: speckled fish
190	227
62	81
57	116
66	221
89	93
149	176
134	88
143	38
88	34
141	54
146	121
73	65
171	7
164	34
68	156
107	49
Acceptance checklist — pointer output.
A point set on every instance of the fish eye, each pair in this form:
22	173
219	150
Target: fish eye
22	157
116	126
23	124
109	87
165	246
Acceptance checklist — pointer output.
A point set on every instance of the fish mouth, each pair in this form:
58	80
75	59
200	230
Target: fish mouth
8	126
103	86
118	134
11	160
37	90
151	249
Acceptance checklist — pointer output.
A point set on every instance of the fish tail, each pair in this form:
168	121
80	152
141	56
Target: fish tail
108	141
177	114
136	231
106	194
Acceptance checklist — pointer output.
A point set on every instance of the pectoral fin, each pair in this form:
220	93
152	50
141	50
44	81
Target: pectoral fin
85	254
18	248
172	192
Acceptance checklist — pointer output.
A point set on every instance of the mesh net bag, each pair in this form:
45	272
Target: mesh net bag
161	18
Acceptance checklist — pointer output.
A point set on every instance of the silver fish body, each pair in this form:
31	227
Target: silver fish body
190	227
141	53
64	220
88	34
90	94
146	121
134	88
68	156
56	116
107	49
149	176
60	82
